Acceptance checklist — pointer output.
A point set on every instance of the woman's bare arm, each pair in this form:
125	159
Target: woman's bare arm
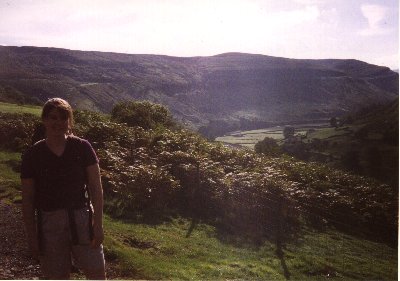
96	196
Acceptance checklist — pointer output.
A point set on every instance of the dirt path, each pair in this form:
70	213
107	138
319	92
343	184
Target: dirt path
14	260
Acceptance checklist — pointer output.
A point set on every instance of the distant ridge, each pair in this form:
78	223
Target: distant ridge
221	92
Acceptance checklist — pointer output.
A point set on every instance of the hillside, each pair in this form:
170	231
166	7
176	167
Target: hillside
181	207
213	94
364	142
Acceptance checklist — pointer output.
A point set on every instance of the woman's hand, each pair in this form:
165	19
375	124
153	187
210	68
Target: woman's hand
34	248
98	236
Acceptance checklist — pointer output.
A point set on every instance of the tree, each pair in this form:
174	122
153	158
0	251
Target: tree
334	122
143	114
288	132
351	160
362	133
374	162
268	146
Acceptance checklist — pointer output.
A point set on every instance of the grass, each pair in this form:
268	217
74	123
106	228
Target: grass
345	257
165	251
326	133
251	137
170	251
9	177
14	108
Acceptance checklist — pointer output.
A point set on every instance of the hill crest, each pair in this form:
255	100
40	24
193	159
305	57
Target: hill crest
233	89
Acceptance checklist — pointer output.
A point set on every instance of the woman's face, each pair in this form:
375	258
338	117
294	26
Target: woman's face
56	123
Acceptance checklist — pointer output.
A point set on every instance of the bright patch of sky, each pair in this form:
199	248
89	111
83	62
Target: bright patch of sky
367	30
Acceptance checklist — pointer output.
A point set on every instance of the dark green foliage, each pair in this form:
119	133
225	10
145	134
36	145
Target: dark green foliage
85	118
297	149
348	120
362	133
334	122
351	160
142	114
374	159
369	146
391	135
353	203
288	132
11	95
16	130
154	173
268	146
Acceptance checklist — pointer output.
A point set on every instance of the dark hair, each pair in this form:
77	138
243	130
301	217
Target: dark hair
61	106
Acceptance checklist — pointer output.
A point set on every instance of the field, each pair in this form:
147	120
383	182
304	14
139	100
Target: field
367	147
250	138
14	108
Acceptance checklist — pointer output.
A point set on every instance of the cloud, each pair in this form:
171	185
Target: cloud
289	28
309	2
375	15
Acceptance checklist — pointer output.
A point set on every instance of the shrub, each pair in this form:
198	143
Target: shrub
334	122
16	130
143	114
160	172
288	132
268	146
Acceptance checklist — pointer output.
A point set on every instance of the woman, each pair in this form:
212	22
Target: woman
59	174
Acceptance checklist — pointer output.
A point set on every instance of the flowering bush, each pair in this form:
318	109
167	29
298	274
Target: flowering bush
166	171
16	130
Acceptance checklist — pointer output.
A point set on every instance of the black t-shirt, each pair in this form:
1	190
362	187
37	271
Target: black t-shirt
59	180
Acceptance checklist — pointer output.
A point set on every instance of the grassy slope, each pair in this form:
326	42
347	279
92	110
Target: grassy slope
14	108
334	144
342	140
166	251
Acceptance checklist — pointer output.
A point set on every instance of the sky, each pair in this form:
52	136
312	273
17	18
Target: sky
366	30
